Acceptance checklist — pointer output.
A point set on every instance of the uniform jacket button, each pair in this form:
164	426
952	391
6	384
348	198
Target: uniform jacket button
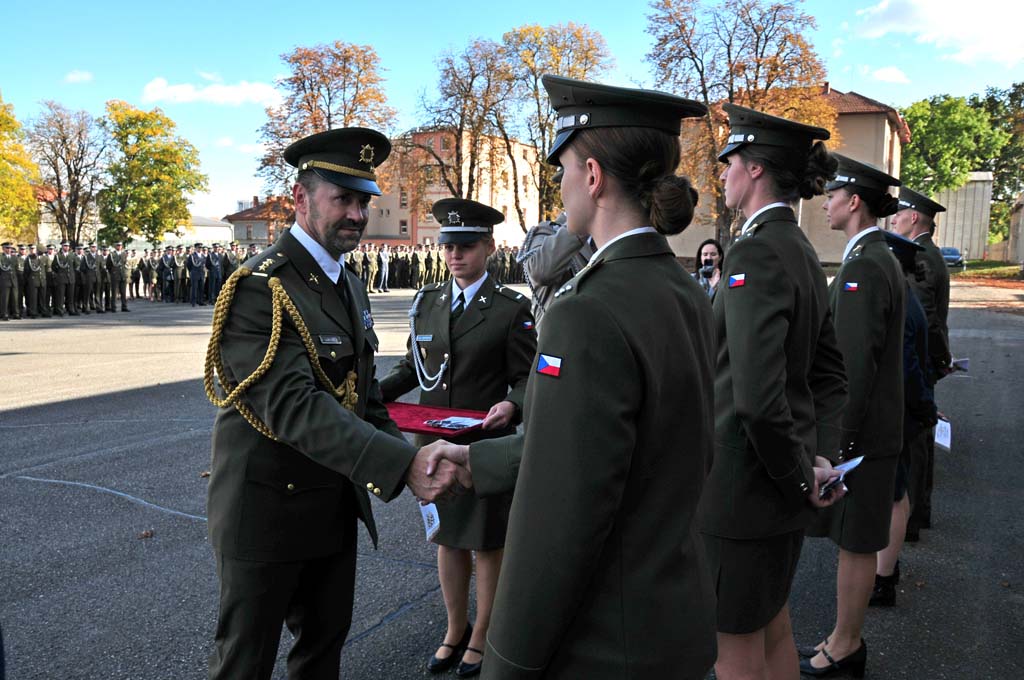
369	486
291	487
376	491
444	386
446	356
334	354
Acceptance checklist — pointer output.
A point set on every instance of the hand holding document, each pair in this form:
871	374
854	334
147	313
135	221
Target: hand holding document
944	433
842	469
960	365
431	520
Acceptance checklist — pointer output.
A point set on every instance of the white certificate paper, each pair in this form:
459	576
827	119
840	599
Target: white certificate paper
431	520
944	434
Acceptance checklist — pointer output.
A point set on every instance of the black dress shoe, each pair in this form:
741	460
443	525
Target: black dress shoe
853	664
884	593
436	665
913	535
468	670
810	650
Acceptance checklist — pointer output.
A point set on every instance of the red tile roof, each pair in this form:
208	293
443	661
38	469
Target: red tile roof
274	209
853	102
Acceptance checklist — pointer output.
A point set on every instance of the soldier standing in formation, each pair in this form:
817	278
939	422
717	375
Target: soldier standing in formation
90	279
471	344
63	281
8	283
35	281
868	306
117	269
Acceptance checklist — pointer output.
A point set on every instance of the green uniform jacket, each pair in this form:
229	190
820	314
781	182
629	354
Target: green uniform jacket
604	574
779	387
478	375
289	500
933	293
867	298
61	266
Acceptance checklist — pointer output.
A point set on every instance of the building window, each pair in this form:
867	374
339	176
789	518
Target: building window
444	143
526	156
248	232
403	226
403	199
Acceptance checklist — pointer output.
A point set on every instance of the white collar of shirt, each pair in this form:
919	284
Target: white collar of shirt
331	267
631	232
853	241
468	292
750	220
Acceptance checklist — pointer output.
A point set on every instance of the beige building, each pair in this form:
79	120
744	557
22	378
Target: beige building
394	220
261	222
868	131
965	223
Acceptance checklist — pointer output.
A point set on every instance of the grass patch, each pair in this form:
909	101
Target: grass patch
988	269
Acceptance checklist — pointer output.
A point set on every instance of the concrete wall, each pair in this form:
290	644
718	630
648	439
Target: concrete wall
965	223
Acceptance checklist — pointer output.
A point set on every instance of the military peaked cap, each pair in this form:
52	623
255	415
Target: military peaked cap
860	176
747	126
345	156
910	199
581	105
463	221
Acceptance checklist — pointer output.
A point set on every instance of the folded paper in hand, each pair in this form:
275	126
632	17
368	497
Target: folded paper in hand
944	434
454	423
961	364
431	520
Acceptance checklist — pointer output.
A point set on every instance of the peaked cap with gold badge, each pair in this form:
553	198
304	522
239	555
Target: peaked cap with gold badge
464	221
345	156
912	200
747	126
581	105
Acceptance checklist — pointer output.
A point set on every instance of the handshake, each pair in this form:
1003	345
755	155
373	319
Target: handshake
439	471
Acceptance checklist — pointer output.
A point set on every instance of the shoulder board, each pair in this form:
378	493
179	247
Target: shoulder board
433	286
510	293
267	264
576	282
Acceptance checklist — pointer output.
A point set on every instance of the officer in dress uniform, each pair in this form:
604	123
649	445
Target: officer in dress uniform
231	261
619	595
8	283
195	263
90	280
471	344
298	451
550	257
103	282
117	268
181	293
35	283
867	300
51	292
20	263
916	221
79	287
63	281
167	273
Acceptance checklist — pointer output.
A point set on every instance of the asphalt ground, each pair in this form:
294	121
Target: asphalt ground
106	573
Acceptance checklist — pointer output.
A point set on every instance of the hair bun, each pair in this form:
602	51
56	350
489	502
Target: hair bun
673	200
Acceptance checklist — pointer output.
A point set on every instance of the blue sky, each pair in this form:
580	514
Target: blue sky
211	65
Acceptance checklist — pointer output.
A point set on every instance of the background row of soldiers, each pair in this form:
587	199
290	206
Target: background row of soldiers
192	274
60	281
383	267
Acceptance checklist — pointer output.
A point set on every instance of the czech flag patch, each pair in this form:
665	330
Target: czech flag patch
549	365
850	285
737	280
527	325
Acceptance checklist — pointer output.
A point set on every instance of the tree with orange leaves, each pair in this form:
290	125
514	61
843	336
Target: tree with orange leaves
329	86
747	52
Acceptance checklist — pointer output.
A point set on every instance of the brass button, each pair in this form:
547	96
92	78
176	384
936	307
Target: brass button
369	486
333	354
291	487
376	491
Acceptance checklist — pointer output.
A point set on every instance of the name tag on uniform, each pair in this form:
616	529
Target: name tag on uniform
367	319
331	340
424	338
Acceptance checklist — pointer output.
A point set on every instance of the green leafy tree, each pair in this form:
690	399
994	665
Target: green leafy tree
151	173
19	212
950	139
1005	109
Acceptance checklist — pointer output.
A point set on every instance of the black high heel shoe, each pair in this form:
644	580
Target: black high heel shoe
436	665
853	664
810	651
468	670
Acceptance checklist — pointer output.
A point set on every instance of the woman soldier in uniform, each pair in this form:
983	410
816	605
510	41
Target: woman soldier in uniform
867	301
471	340
604	574
779	393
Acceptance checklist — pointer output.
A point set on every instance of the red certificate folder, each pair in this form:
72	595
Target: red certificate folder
412	418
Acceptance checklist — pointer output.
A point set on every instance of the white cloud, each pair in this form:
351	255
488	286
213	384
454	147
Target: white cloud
837	47
77	76
984	31
225	141
244	92
212	77
890	74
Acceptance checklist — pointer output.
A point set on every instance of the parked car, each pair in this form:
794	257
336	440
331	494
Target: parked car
953	257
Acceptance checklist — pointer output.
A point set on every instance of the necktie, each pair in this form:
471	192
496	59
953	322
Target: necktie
460	307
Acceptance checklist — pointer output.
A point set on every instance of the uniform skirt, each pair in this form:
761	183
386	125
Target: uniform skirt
468	522
752	578
859	523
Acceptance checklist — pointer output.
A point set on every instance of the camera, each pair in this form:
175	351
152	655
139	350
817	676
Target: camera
708	269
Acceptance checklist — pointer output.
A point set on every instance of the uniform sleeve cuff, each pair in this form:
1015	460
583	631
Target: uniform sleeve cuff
382	465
